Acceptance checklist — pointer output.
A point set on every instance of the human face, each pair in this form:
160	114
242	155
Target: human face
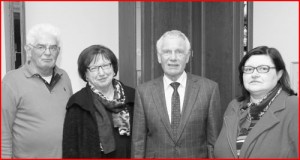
173	57
102	77
43	61
259	84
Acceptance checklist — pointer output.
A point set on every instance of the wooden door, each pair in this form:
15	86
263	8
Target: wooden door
215	30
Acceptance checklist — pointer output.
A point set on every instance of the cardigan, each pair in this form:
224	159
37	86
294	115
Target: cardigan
80	135
275	135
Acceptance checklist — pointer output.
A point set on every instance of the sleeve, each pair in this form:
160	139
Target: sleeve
214	121
294	126
70	133
69	84
9	109
139	129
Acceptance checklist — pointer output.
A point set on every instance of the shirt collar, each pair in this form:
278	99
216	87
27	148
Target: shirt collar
181	80
29	72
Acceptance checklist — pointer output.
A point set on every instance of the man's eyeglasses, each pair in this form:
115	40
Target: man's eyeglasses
259	69
104	67
42	48
168	53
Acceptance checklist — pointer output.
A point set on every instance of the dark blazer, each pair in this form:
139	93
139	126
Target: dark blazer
80	133
275	135
199	126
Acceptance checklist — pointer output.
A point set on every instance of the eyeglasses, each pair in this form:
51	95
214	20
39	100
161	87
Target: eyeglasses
178	53
104	67
42	48
259	69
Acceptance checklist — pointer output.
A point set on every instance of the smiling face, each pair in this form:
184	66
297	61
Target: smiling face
100	78
259	84
43	61
173	57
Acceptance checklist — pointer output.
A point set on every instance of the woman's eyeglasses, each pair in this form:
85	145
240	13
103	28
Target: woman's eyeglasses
104	67
259	69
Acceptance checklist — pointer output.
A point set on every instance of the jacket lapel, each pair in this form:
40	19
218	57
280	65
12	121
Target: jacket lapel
158	95
231	121
267	121
191	92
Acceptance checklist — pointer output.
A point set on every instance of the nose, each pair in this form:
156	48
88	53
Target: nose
47	51
101	71
173	55
255	74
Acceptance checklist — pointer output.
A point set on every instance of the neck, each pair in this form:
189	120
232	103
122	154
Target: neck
108	92
175	78
44	72
257	98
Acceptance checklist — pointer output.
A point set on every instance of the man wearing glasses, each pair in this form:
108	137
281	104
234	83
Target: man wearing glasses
34	99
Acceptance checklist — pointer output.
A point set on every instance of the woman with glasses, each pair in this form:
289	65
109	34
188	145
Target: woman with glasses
99	116
263	121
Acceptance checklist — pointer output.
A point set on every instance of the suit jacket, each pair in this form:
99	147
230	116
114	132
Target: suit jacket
275	135
199	126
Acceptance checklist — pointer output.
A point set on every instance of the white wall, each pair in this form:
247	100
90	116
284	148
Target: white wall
3	61
276	24
82	24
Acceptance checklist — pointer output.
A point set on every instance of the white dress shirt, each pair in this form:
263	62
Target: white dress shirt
169	91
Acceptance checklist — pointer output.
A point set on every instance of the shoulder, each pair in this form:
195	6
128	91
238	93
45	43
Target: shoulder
13	75
149	84
129	93
61	72
202	80
127	89
80	98
292	100
291	103
233	105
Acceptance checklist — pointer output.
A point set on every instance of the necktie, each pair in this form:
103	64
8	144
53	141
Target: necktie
175	103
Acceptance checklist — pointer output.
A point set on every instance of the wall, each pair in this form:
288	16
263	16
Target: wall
3	61
276	24
82	24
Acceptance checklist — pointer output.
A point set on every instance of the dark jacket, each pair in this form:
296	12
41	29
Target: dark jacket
80	133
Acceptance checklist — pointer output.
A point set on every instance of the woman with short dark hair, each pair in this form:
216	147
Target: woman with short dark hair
99	117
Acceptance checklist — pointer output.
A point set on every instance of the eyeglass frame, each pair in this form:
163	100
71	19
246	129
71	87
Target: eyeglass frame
257	69
45	48
97	68
168	53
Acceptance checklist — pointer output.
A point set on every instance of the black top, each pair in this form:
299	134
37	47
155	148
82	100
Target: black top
80	133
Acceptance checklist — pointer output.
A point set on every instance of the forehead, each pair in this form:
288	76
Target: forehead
173	43
257	60
46	39
99	59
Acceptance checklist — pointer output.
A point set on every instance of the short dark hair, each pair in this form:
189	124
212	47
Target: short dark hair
279	65
87	56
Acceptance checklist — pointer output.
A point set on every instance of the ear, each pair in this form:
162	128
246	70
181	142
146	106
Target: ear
158	57
58	51
279	74
188	56
28	50
86	77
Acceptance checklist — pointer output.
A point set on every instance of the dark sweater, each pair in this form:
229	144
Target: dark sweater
80	133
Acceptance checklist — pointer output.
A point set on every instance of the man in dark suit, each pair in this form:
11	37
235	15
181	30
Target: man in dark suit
177	114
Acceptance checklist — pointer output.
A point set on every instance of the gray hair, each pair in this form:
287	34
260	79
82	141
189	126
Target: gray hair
173	33
41	29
